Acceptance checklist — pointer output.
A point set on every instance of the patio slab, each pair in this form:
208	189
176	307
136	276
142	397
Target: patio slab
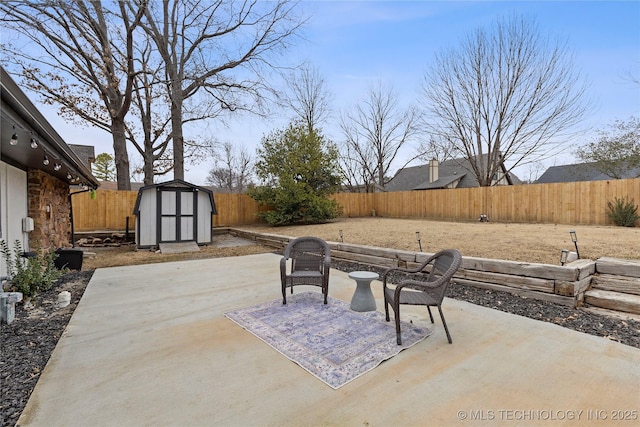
150	345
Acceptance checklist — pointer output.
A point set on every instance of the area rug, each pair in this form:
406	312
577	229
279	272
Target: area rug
332	342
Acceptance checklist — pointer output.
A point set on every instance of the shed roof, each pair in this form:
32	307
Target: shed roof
176	183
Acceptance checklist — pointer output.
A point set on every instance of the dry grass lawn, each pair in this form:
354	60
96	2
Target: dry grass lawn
518	242
539	243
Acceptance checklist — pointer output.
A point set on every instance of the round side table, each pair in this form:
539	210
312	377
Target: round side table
363	299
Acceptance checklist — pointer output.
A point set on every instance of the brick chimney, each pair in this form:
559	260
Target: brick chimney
433	170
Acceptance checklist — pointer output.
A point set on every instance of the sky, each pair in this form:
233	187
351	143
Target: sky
357	44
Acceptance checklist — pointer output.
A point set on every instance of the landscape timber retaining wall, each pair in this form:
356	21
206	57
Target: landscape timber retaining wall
559	284
615	286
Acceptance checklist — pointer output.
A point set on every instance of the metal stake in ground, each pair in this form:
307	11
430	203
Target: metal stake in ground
418	239
574	239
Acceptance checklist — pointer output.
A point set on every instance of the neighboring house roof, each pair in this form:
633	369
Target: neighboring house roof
449	171
579	172
22	118
86	153
441	183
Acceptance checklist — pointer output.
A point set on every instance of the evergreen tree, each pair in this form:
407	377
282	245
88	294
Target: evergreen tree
104	168
298	170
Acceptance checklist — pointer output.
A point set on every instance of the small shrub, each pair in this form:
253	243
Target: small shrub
30	275
623	212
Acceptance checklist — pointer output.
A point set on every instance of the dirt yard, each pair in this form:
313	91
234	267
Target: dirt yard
540	243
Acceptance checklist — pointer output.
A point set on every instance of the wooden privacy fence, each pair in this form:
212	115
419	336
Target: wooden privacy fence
110	208
560	203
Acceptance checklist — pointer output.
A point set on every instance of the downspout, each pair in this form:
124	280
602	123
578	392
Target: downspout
73	239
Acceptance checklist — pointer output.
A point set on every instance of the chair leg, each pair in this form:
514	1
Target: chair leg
386	309
284	293
325	292
396	313
445	325
430	315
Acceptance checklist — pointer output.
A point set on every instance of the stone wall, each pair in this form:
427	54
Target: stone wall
49	207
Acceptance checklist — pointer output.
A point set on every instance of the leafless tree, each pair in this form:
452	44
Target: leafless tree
149	98
219	48
633	75
355	175
506	94
309	97
232	172
77	61
437	148
615	151
375	131
152	119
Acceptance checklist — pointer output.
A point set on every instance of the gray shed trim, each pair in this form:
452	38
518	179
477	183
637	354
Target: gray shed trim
174	211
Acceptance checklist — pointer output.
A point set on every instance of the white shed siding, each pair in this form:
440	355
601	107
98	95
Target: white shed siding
185	214
14	204
186	204
204	218
147	220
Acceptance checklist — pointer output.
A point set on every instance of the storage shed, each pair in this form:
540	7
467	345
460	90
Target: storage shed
172	212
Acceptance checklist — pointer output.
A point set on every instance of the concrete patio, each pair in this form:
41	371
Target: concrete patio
150	345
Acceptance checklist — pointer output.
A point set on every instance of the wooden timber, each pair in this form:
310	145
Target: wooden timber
624	284
618	267
613	300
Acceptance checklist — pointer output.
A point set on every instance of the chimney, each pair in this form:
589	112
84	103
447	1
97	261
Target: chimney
433	170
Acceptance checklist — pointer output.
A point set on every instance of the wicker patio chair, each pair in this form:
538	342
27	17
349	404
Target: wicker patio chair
438	270
310	264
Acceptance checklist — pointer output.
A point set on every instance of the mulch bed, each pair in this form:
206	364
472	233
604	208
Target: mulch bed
28	342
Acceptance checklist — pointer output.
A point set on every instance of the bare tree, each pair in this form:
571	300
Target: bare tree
615	152
309	97
507	94
232	172
149	97
375	132
78	57
221	48
152	119
437	148
355	174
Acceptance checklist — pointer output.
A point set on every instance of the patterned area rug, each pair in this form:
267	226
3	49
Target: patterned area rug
332	342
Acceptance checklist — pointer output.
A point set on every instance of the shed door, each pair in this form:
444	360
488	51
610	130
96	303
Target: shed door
177	208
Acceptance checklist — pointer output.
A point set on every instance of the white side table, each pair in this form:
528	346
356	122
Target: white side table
363	299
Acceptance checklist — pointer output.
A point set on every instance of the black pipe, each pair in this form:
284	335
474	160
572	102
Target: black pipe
73	237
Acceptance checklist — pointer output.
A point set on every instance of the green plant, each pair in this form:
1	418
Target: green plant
30	275
299	171
623	212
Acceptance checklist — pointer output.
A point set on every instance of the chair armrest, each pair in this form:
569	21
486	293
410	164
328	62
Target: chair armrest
327	259
418	269
283	268
409	270
421	285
